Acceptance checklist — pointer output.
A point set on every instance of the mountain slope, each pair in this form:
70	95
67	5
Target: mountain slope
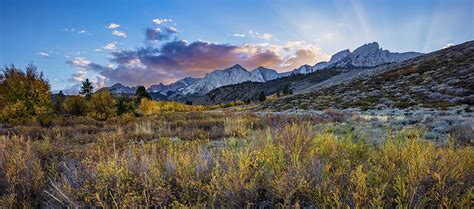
250	90
438	80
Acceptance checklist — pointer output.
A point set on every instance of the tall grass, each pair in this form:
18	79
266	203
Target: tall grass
273	162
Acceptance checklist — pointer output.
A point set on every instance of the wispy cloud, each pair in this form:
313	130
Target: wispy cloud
119	33
79	31
242	35
159	21
43	54
113	26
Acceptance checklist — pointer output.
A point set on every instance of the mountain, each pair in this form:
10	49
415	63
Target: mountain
232	75
367	55
173	87
371	55
439	80
119	89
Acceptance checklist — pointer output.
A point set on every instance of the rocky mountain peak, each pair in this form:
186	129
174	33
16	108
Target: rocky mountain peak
366	49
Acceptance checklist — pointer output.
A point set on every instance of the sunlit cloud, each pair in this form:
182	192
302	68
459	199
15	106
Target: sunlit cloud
110	46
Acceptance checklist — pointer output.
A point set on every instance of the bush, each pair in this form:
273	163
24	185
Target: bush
102	106
21	176
150	107
75	105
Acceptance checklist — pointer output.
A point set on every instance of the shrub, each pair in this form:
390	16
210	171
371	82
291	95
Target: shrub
102	106
150	107
125	105
75	105
21	176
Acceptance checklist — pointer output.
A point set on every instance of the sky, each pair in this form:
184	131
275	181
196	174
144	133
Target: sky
147	42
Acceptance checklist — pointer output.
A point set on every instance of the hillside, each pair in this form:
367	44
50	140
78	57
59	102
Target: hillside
437	80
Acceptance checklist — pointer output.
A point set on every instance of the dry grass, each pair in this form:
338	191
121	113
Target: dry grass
224	160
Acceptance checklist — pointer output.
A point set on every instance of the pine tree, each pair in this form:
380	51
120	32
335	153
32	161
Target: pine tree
262	96
287	90
87	89
142	93
59	99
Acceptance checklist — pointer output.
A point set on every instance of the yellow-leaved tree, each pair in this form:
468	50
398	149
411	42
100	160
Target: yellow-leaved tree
23	95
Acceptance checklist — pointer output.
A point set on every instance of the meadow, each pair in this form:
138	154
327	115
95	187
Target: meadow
217	159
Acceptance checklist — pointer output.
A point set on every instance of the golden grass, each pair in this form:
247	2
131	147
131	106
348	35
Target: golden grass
279	161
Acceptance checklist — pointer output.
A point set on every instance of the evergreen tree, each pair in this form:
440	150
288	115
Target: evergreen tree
142	93
59	99
262	96
87	88
287	90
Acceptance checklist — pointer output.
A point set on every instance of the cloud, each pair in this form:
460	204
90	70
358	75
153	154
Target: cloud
158	34
81	66
160	21
242	35
113	26
252	34
265	36
119	33
97	50
172	29
110	45
43	54
448	45
85	69
177	59
79	62
79	31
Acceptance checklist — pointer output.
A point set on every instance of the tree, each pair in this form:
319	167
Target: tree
287	90
59	99
75	105
102	106
125	105
23	95
142	93
87	89
262	96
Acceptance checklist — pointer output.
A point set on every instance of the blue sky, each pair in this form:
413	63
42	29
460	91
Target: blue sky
67	39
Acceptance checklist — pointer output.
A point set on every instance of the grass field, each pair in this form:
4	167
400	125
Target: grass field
227	160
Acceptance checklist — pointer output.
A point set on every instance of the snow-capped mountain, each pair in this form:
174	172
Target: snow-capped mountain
173	87
367	55
232	75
